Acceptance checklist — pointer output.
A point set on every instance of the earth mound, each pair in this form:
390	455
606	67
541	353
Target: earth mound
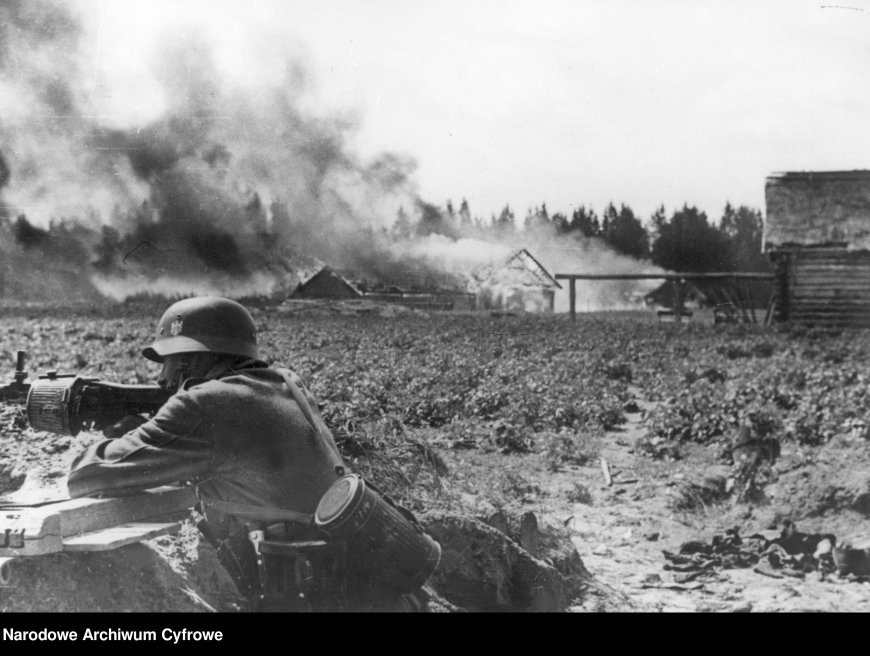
132	578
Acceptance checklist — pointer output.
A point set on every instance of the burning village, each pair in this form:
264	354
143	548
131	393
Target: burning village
257	361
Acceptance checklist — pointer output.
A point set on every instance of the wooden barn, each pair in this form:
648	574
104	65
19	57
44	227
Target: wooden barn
817	235
326	284
520	283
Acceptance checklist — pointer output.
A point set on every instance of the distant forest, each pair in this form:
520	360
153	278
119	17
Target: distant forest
685	241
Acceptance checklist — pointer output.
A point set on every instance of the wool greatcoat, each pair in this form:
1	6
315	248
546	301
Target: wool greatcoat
238	435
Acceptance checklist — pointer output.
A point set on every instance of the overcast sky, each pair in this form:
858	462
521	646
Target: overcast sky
515	102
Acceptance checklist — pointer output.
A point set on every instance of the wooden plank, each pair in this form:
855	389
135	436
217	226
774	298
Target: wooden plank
832	291
809	314
85	515
117	536
854	279
830	308
35	530
29	532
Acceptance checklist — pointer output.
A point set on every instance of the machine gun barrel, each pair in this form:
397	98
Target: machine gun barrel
68	403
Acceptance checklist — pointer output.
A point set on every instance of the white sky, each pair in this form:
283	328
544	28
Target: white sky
515	102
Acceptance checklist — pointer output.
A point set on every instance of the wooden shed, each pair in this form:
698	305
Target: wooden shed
326	284
817	234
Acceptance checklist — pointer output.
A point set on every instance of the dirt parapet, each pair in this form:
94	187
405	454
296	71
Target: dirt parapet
824	485
134	578
484	569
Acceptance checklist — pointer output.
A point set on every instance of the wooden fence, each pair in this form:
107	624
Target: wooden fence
678	278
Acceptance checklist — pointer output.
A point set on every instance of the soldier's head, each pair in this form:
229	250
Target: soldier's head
197	335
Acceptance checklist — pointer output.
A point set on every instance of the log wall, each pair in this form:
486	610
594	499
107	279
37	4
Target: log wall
824	286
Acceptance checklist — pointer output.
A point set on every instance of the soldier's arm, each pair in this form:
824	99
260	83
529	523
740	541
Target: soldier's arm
173	446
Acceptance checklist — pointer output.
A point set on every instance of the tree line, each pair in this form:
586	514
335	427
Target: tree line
684	241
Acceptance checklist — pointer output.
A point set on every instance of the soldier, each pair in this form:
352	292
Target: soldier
250	437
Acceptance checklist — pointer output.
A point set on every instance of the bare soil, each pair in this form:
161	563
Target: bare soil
621	529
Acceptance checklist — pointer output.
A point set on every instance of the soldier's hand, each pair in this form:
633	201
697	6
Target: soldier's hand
123	426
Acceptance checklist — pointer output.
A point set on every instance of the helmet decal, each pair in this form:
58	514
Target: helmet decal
175	328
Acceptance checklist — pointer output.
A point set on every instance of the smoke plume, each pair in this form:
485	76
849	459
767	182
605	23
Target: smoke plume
229	191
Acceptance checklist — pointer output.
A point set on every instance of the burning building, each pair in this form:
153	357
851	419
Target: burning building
817	234
326	284
421	292
424	289
519	283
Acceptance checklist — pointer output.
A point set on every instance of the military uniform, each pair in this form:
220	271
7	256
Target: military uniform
249	437
240	437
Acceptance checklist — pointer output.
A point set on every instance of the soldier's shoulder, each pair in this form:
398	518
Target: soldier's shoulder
235	383
203	389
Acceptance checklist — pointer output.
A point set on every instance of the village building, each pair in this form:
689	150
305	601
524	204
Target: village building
520	283
429	292
328	285
817	235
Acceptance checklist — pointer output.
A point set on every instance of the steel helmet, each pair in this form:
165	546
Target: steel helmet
205	324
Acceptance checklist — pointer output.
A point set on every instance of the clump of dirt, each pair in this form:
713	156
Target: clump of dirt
11	478
544	539
822	481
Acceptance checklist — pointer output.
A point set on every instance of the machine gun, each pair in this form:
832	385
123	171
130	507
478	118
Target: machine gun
69	403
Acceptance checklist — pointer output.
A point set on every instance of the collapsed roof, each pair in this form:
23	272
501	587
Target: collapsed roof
520	269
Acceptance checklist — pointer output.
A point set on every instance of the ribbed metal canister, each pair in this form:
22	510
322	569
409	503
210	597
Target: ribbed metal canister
384	546
48	405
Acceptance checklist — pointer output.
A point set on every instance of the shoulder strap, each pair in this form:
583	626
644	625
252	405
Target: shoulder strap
300	399
256	513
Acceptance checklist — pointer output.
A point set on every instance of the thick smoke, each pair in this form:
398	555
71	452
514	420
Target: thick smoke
556	253
224	185
45	120
229	191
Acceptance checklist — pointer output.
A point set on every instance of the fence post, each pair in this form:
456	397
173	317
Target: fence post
572	295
